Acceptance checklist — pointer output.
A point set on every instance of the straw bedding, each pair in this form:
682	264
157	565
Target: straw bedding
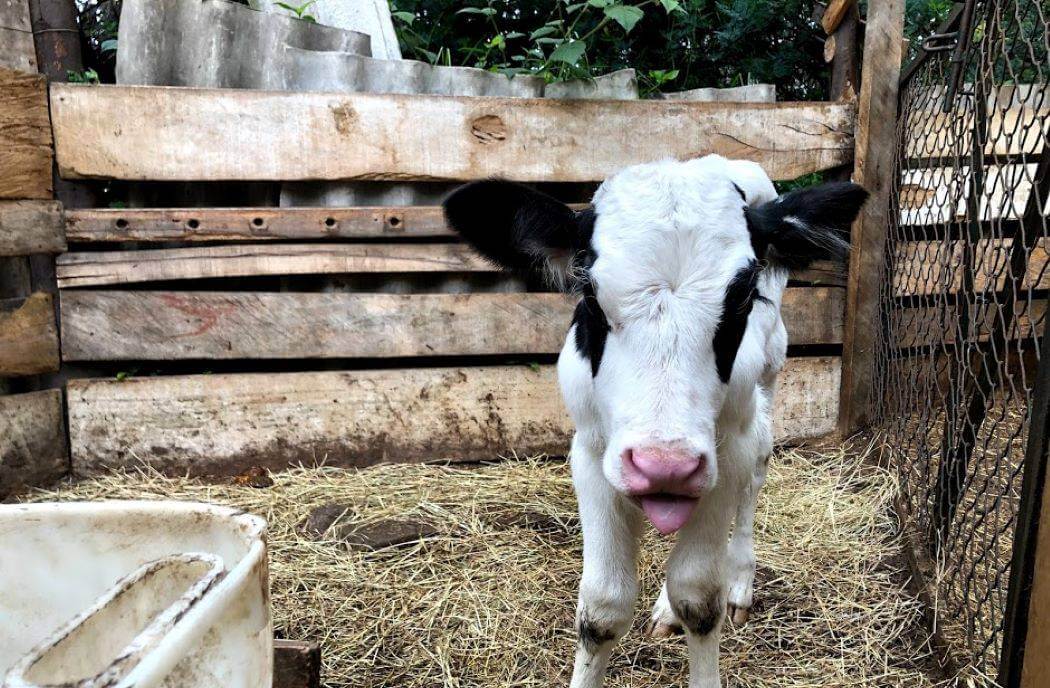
486	597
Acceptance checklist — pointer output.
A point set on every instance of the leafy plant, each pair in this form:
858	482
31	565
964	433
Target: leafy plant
88	76
299	11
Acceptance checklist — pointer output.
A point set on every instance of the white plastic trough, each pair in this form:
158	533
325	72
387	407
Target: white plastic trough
144	594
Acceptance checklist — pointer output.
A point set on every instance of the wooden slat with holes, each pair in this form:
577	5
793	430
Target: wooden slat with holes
28	227
137	325
923	268
98	268
187	134
33	449
256	224
25	136
221	424
28	336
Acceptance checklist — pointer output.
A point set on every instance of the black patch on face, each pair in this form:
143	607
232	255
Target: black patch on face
740	297
593	636
592	327
701	616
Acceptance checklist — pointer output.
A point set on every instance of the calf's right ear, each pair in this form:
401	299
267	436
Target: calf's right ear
520	229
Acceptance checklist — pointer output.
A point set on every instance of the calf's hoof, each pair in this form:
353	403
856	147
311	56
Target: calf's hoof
663	623
738	615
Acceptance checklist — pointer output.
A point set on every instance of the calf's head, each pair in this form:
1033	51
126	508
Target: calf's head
670	330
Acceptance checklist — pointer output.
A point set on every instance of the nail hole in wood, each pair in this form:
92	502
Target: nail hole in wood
330	222
193	223
121	223
258	222
395	221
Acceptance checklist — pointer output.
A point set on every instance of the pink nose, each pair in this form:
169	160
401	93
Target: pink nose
650	470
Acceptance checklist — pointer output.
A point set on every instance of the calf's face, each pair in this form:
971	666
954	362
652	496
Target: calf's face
669	328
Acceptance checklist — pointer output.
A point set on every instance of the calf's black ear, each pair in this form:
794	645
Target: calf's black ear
805	225
520	229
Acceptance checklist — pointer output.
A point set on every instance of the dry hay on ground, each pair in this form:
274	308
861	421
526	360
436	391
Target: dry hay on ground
488	599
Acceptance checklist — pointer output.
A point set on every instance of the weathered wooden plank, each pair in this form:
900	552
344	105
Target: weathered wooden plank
834	14
874	169
32	440
28	227
17	49
938	195
184	134
135	325
25	136
121	267
256	224
296	664
922	268
219	424
936	325
28	336
97	268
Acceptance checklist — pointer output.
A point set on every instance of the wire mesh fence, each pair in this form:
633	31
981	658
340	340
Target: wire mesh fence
964	304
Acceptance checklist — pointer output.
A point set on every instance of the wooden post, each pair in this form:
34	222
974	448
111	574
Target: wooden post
873	169
1036	658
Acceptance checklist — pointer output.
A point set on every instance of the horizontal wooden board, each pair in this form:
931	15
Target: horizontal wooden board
1012	130
121	267
938	195
28	227
28	336
253	224
98	268
25	136
937	267
33	449
185	134
136	325
939	325
221	424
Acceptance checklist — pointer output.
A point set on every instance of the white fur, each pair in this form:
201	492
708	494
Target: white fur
669	237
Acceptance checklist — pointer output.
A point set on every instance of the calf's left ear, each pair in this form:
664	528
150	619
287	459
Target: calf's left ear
519	228
805	225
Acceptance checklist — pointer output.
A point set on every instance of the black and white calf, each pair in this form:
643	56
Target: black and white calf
668	371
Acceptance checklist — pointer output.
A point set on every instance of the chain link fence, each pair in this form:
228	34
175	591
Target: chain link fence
964	303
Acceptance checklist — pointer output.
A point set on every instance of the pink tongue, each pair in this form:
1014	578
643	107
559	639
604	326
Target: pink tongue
666	513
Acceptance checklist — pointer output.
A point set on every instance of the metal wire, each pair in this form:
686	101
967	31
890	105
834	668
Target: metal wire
963	304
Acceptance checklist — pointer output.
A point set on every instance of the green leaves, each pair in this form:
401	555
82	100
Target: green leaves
569	53
485	11
624	15
406	17
298	11
88	76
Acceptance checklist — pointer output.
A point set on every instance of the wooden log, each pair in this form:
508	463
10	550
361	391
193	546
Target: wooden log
874	169
220	424
28	336
33	449
296	664
25	136
17	50
834	14
136	325
99	268
187	134
28	227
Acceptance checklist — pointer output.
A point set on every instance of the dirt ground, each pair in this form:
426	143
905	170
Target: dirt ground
426	575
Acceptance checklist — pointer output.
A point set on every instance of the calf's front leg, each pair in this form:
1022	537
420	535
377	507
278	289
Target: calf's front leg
696	588
609	586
